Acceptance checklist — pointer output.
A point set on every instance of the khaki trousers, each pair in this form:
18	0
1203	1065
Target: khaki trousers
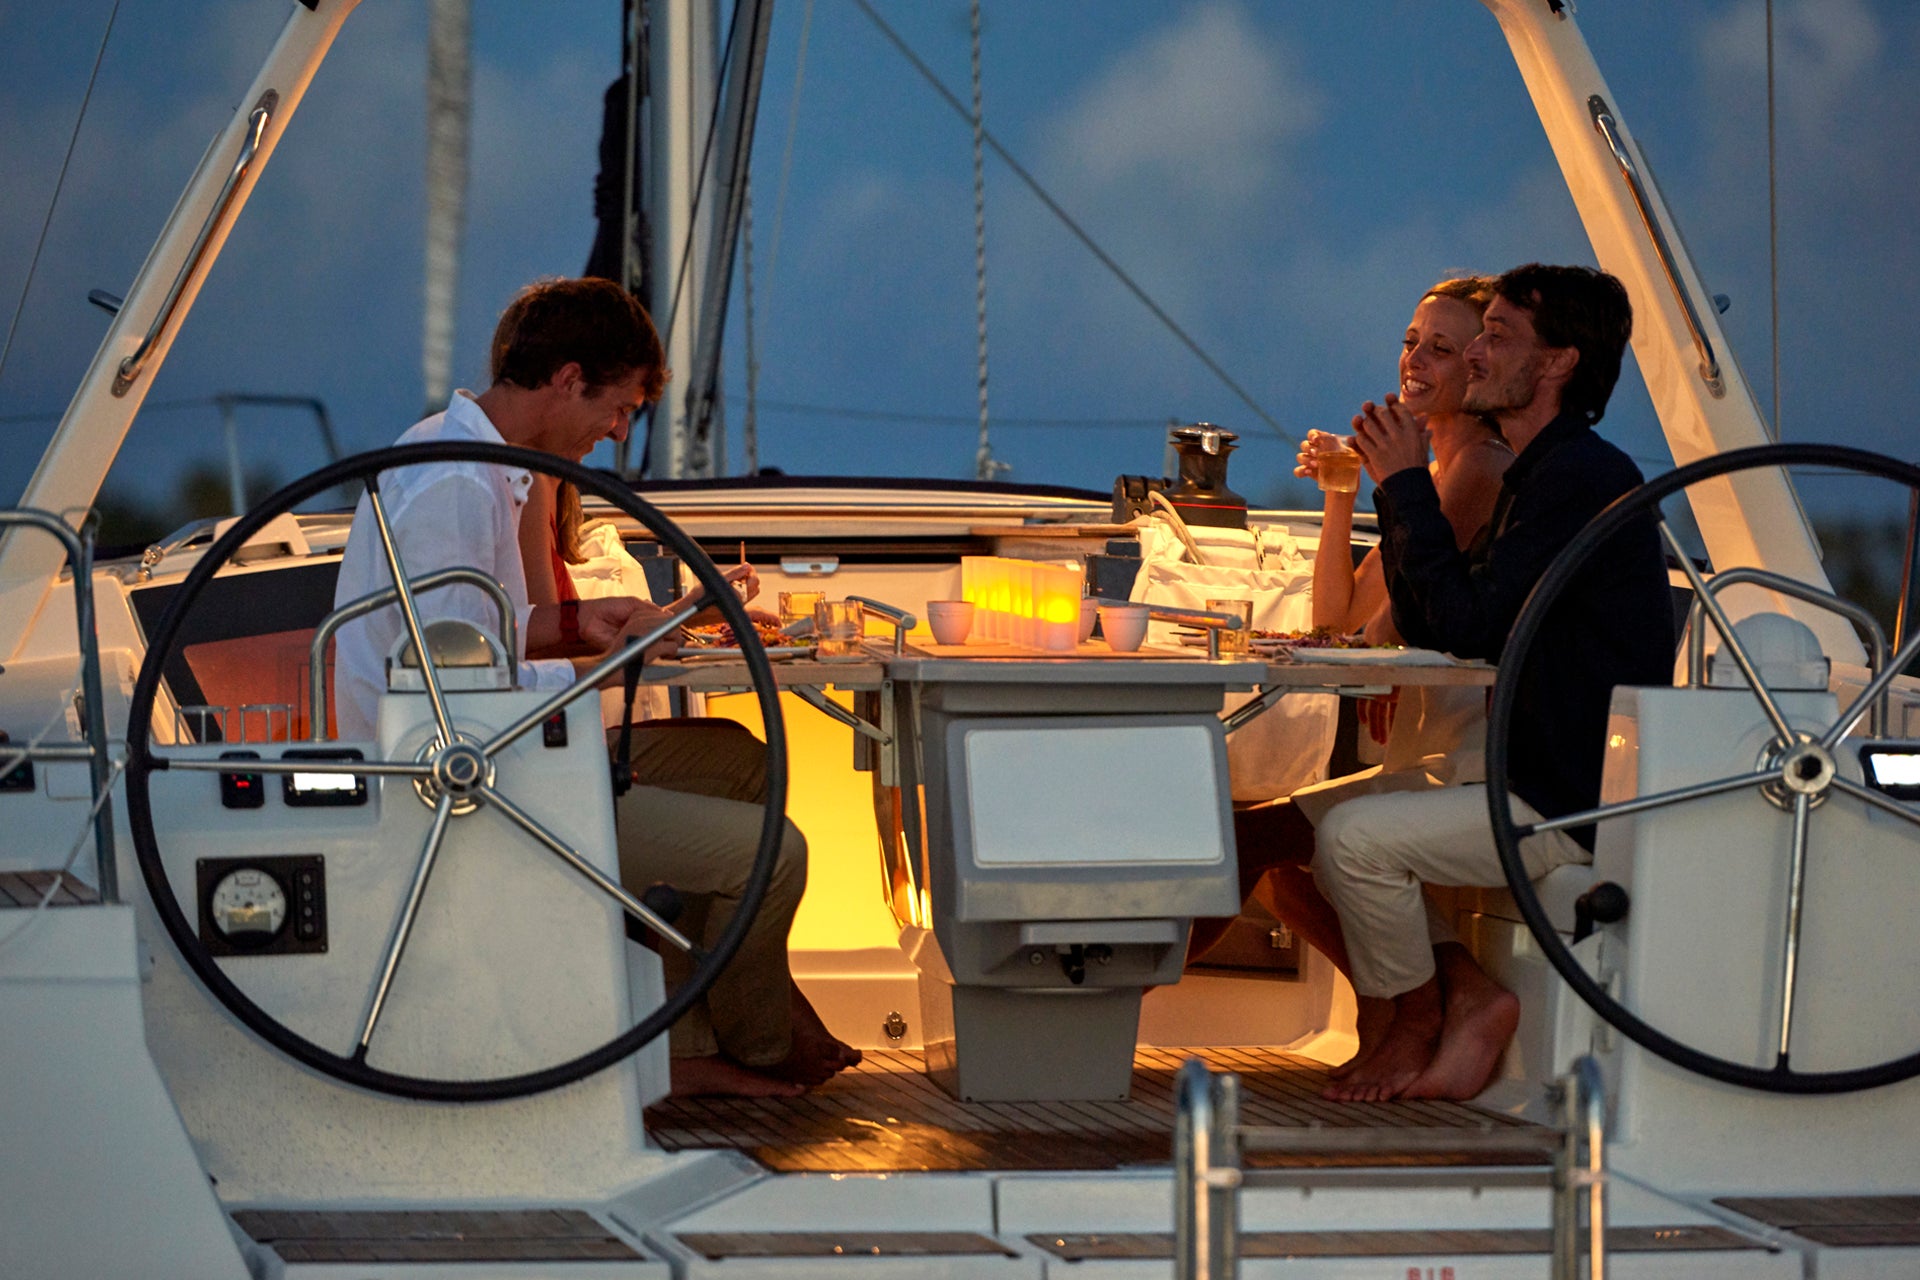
692	820
1373	853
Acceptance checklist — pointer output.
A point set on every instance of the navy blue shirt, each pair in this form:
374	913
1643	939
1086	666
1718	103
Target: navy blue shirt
1611	625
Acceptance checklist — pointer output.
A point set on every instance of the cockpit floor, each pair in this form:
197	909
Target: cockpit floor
888	1116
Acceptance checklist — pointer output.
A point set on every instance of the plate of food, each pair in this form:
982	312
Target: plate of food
717	640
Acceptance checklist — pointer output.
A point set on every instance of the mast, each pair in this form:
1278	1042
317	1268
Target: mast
681	92
449	106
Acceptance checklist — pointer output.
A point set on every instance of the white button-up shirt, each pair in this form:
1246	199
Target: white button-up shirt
447	514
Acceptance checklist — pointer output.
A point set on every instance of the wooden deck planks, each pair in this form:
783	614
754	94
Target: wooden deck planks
887	1116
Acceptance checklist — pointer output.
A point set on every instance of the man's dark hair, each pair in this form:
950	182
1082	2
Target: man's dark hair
595	323
1578	307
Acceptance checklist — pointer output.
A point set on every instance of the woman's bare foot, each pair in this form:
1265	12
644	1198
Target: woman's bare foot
1481	1017
717	1077
1371	1022
1403	1054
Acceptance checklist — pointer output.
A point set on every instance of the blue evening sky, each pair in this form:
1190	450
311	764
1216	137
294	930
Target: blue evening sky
1284	178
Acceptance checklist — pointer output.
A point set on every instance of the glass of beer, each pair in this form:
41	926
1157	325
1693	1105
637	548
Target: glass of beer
795	605
1338	465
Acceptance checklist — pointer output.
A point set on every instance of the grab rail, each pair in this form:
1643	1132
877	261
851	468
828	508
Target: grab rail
1208	1139
902	621
317	680
257	123
1877	650
1603	121
93	712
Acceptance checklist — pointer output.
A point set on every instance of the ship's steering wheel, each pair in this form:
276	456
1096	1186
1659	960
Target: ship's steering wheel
459	765
1800	768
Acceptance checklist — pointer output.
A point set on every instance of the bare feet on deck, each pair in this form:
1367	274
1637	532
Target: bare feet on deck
816	1055
1404	1052
1481	1017
1370	1025
717	1077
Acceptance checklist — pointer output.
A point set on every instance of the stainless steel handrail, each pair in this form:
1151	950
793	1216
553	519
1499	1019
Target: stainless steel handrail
257	122
79	547
1210	621
903	621
317	678
1877	648
1207	1178
1609	129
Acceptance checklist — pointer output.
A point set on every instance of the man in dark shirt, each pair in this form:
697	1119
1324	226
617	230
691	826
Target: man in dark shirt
1542	368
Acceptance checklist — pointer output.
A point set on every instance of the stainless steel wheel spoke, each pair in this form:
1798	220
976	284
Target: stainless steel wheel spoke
409	612
403	926
1875	687
1782	730
584	684
632	905
1796	899
1642	804
1874	798
370	768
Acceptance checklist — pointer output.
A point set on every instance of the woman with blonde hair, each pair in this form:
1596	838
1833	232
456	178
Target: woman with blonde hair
1432	735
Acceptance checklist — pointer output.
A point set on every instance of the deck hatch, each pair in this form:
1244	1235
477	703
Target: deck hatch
717	1246
1840	1221
1390	1244
435	1235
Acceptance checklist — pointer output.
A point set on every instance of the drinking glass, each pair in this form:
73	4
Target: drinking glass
795	605
1339	466
1234	639
838	626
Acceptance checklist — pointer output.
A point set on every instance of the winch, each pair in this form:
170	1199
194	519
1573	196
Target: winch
1199	493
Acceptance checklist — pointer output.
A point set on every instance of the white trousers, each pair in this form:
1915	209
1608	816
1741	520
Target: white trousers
1373	853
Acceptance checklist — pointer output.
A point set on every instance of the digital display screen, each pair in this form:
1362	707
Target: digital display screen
311	782
1893	769
323	789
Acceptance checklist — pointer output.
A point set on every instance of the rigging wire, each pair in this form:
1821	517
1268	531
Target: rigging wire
786	153
1066	220
984	466
1773	230
750	429
59	182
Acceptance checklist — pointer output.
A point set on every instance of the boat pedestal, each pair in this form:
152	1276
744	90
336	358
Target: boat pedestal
1077	816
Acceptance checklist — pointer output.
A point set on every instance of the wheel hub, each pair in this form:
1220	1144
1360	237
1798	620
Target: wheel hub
460	769
1804	769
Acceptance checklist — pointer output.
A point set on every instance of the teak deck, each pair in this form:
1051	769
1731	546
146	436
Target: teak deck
887	1116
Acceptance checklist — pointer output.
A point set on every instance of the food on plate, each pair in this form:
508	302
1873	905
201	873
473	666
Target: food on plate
1314	638
719	635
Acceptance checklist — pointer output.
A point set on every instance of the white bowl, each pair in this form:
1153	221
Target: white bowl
1089	614
1124	626
950	620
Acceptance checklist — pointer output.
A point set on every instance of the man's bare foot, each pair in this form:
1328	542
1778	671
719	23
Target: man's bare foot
1481	1017
716	1077
1375	1015
810	1031
1403	1054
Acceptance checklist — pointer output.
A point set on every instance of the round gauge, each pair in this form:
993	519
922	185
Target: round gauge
248	906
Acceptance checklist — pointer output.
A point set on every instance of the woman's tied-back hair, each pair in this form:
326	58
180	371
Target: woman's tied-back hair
594	323
1475	291
1579	307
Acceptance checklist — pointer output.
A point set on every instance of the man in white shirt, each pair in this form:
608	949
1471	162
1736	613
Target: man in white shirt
573	360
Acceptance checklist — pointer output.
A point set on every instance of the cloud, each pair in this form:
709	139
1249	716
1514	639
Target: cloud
1205	103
